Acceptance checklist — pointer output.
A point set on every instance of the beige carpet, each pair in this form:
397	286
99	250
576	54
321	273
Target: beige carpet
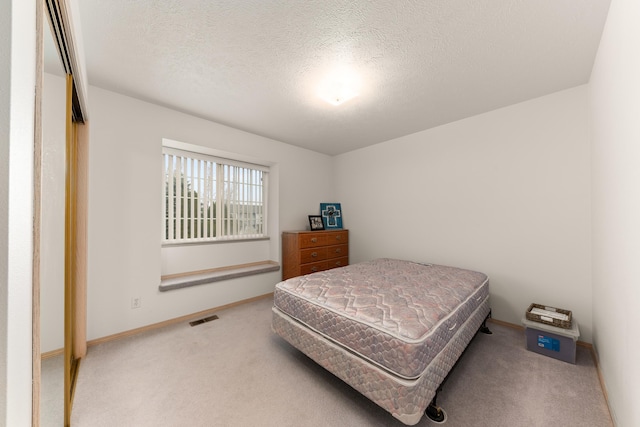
52	392
234	372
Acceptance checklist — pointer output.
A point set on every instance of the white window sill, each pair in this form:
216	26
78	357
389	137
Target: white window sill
185	280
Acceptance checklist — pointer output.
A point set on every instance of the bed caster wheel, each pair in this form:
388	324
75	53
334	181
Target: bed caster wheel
436	414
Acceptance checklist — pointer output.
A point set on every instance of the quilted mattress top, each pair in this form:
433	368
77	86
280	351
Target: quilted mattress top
397	314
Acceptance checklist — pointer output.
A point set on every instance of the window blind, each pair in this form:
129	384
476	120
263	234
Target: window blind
209	198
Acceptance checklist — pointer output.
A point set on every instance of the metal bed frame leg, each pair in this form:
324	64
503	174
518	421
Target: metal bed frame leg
484	329
433	411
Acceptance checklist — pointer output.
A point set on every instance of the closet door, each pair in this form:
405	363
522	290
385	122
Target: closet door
75	346
65	36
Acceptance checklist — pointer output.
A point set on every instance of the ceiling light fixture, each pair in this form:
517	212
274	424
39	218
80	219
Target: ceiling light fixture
339	87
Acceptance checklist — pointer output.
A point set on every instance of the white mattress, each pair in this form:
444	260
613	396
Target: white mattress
396	314
392	329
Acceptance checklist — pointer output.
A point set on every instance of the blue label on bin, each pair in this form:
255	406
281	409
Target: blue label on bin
548	343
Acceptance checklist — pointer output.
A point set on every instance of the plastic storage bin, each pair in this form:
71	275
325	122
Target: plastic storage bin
552	341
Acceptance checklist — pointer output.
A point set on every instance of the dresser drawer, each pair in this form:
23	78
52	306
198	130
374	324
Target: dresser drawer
313	267
313	255
337	237
312	240
337	251
338	262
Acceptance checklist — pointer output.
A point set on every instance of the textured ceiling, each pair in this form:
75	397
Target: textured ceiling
256	64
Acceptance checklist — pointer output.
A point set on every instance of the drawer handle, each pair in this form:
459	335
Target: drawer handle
314	254
314	269
338	250
339	263
314	240
338	237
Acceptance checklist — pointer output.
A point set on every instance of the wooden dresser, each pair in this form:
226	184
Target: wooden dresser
305	252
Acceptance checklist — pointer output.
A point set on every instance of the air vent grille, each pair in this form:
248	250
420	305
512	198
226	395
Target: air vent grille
203	320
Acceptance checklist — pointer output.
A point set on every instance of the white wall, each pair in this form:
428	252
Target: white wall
614	92
17	89
125	210
506	193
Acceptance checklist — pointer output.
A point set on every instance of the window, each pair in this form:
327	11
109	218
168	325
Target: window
208	198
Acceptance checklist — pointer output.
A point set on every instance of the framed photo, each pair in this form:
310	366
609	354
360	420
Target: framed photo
315	222
331	215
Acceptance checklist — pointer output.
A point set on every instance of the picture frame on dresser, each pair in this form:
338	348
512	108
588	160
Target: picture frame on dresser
331	215
315	222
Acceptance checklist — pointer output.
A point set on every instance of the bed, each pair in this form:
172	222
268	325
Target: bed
392	329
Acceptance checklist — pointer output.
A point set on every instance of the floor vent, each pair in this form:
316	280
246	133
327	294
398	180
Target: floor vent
203	320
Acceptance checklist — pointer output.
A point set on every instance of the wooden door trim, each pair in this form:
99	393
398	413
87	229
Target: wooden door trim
36	384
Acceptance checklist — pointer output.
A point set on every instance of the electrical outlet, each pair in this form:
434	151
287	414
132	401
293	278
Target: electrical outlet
136	302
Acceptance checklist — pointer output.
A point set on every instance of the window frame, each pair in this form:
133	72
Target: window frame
201	153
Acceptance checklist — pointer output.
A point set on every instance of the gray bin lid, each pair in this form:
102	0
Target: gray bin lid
573	332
